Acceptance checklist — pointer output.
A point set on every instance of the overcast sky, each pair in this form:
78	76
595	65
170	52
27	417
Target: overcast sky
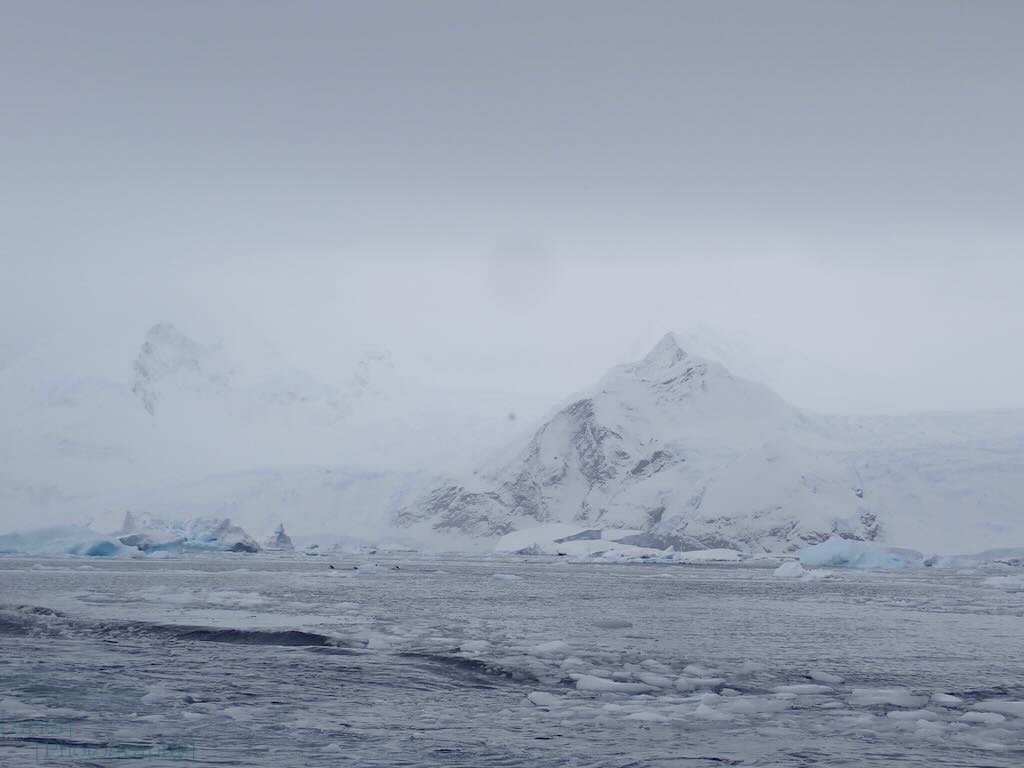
521	194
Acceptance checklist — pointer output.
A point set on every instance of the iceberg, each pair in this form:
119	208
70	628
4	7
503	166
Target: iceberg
62	540
791	569
280	540
136	535
200	534
849	553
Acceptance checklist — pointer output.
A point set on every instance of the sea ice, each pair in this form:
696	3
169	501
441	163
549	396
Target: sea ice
603	685
557	648
1015	708
899	697
543	699
989	718
824	677
1014	583
912	714
803	689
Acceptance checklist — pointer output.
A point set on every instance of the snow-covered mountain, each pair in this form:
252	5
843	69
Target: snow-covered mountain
177	377
169	359
674	446
80	446
678	447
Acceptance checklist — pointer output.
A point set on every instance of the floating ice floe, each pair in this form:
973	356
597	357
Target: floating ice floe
605	689
898	697
847	553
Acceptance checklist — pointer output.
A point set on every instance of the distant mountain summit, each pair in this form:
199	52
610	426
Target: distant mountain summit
676	447
168	358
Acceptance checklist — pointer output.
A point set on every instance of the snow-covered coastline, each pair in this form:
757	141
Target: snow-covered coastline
674	449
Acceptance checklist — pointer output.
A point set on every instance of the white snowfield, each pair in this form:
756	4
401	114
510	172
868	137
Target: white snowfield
666	457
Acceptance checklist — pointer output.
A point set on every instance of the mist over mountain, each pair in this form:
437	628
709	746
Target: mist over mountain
675	446
84	447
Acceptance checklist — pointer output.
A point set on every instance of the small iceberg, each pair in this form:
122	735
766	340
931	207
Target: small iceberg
791	569
279	540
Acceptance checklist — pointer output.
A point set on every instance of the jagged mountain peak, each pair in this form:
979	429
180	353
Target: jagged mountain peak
669	360
666	353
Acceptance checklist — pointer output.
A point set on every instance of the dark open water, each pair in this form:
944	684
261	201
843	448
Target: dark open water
237	660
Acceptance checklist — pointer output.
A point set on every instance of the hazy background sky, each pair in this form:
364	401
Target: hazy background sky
521	194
